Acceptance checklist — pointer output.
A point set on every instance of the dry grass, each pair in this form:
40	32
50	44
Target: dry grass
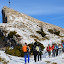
1	26
63	58
9	26
43	38
47	61
0	59
54	63
60	36
3	61
46	37
34	36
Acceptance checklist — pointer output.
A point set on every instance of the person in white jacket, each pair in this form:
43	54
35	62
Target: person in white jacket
60	49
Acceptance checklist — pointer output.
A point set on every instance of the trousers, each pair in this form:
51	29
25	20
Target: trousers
27	55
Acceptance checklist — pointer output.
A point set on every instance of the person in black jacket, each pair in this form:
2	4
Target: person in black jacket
35	51
39	52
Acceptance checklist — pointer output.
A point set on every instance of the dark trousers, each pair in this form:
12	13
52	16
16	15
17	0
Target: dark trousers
39	56
56	52
35	57
53	53
63	49
49	53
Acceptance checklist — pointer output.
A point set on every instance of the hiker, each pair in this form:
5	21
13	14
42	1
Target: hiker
62	42
56	49
60	48
53	50
39	51
26	50
63	47
49	49
34	51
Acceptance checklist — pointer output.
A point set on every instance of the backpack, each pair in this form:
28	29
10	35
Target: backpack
55	48
63	43
37	48
63	46
28	49
34	48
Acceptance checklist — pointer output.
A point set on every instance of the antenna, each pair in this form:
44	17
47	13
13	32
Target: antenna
9	3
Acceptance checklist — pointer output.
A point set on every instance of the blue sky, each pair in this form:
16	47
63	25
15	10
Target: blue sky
50	11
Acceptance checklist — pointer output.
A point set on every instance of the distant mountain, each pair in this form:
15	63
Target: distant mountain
29	28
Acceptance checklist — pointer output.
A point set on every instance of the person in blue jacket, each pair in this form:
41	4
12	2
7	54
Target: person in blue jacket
56	48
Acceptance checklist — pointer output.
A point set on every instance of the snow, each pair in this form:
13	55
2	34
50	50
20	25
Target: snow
25	28
58	59
11	18
20	60
3	55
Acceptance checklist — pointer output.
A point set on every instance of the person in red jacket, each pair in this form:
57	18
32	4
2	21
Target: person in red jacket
62	45
49	49
53	50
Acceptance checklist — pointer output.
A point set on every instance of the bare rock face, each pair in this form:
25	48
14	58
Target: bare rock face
27	26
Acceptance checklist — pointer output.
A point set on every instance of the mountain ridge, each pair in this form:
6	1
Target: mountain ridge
27	26
18	14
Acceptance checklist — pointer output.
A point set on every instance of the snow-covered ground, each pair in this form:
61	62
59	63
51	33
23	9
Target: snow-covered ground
26	28
20	60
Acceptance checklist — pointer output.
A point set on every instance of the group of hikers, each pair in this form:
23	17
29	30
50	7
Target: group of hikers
53	51
37	52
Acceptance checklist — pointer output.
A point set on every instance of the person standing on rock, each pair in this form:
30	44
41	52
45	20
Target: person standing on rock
26	50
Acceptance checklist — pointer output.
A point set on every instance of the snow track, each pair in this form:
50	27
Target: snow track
20	60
